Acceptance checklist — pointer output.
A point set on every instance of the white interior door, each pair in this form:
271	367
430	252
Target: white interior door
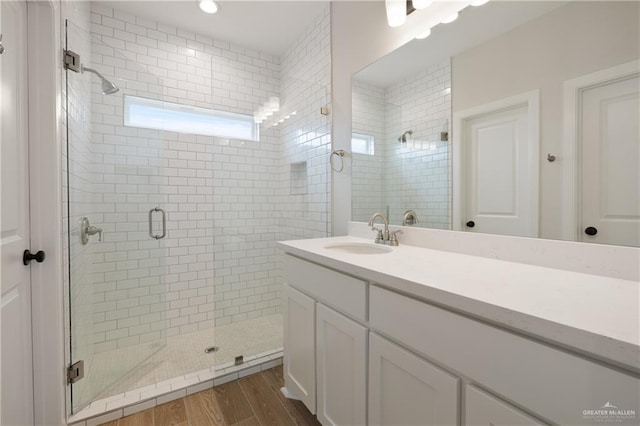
609	144
500	180
16	357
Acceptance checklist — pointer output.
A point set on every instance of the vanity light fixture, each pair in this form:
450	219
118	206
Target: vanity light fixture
208	6
422	4
396	12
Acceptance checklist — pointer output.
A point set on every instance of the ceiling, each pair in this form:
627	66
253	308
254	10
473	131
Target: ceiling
475	25
267	26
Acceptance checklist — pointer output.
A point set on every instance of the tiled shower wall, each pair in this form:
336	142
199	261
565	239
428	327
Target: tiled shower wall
303	167
368	118
225	199
416	174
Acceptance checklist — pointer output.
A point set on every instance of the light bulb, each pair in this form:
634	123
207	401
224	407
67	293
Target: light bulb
424	34
422	4
208	6
449	19
396	12
479	2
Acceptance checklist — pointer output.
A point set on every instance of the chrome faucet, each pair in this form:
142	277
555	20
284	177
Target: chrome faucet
410	218
384	237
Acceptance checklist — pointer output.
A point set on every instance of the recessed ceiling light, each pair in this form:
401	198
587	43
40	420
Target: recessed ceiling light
208	6
479	2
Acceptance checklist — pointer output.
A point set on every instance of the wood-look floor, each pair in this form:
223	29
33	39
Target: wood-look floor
253	400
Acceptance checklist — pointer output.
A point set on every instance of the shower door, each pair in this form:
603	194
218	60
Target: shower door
117	217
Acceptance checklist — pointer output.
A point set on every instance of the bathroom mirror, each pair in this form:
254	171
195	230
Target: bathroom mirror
519	118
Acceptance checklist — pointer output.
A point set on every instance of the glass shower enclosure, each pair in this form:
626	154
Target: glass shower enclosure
172	264
118	229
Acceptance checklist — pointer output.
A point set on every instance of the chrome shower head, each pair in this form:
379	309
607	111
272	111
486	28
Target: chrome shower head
108	87
403	137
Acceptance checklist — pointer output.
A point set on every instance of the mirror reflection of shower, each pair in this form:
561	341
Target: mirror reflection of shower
403	137
108	88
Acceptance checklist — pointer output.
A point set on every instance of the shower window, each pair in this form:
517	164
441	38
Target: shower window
179	118
362	144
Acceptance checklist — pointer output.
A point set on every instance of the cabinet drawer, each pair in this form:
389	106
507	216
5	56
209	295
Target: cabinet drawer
342	292
483	409
550	382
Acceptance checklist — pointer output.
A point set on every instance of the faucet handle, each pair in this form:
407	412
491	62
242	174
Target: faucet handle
379	237
394	237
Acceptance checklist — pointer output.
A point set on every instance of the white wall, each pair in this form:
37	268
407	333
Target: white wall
571	41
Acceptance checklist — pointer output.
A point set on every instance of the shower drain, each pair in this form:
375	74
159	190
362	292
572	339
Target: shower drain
211	349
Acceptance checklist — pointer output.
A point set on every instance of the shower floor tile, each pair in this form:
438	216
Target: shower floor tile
184	355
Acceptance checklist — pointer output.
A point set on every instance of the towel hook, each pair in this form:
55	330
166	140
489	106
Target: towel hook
551	158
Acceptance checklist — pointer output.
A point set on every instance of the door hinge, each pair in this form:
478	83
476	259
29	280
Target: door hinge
71	61
75	372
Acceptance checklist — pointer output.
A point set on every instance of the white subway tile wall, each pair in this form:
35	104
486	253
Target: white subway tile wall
227	201
305	135
369	118
413	175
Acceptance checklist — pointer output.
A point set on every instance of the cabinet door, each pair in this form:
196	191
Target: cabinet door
341	369
484	409
299	347
407	390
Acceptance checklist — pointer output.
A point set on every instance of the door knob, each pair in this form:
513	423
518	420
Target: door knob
27	257
591	231
470	224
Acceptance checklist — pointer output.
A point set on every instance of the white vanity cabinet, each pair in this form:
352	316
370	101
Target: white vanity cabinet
359	352
325	352
407	390
341	367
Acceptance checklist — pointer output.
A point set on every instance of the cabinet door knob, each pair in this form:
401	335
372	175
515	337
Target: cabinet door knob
470	224
27	257
591	231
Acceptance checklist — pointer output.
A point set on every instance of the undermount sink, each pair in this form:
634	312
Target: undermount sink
358	248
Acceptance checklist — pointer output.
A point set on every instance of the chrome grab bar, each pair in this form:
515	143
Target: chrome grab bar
164	223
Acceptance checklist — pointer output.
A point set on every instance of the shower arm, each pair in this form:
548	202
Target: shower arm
91	70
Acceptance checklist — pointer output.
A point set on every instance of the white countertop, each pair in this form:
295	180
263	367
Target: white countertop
594	315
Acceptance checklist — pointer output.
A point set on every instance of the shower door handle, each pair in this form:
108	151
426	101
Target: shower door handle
164	223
